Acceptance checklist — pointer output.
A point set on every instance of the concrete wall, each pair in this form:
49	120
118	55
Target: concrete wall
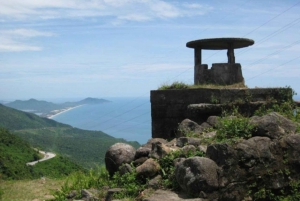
169	107
220	73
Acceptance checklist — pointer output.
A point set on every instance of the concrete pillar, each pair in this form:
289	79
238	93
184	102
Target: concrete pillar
230	54
197	56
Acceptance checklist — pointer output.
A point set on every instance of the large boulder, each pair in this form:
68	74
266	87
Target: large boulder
255	152
196	175
188	126
118	154
148	169
273	125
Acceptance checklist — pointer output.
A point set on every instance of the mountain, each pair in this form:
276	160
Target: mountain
16	120
87	148
43	108
93	101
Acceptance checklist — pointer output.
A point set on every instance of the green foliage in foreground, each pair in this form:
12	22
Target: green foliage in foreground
132	185
57	167
232	127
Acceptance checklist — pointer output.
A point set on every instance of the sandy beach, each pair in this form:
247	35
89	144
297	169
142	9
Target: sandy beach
58	112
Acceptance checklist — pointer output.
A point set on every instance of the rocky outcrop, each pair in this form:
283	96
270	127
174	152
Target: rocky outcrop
197	176
269	160
273	125
117	155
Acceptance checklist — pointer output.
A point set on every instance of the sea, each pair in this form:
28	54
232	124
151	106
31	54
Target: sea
127	118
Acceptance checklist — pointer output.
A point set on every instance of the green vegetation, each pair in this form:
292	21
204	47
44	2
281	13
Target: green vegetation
33	189
87	148
13	119
181	85
232	127
174	85
15	153
132	185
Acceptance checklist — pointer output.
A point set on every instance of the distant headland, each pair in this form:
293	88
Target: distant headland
49	109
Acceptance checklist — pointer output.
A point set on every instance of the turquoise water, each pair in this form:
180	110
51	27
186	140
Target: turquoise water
127	118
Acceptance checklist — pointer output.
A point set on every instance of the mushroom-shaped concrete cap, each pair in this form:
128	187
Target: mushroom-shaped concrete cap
220	43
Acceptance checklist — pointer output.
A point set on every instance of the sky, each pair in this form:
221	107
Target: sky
125	48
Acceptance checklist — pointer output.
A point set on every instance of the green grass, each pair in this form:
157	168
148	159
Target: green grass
181	85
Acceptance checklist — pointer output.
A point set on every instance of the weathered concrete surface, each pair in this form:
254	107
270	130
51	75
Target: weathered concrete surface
170	107
220	73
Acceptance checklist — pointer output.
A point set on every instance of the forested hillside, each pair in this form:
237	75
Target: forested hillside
87	148
15	153
13	119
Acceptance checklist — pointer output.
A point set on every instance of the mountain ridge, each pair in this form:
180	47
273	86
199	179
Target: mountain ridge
44	108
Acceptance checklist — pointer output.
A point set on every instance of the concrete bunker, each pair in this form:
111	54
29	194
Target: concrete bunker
170	107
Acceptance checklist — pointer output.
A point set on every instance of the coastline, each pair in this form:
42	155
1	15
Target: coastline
58	112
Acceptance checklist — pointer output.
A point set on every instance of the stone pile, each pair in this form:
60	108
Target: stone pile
269	159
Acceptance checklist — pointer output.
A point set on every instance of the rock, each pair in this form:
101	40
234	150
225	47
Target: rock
161	195
159	150
148	169
213	120
155	182
205	125
222	153
154	140
88	195
188	126
291	144
178	160
142	152
273	125
125	168
188	149
202	148
72	194
254	152
197	174
210	134
182	141
118	154
140	161
111	192
172	143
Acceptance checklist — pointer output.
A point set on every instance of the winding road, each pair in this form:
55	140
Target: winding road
47	156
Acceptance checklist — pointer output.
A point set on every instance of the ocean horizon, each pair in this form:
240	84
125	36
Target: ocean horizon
127	118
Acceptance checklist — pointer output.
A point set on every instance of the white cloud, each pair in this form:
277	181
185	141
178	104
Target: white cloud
134	17
15	47
15	40
135	10
26	33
